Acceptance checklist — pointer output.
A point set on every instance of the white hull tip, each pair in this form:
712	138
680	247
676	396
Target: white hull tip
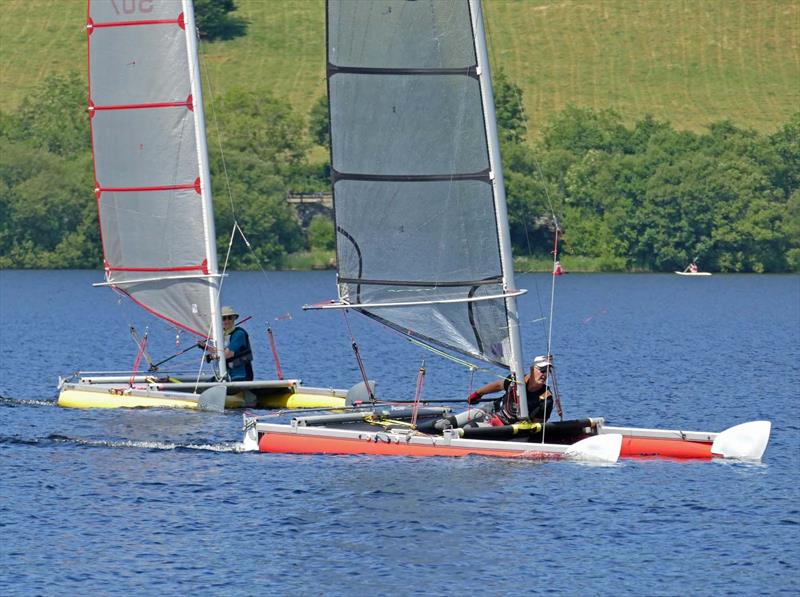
603	448
250	441
746	441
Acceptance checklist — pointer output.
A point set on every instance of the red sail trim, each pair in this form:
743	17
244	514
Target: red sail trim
89	30
161	315
90	27
184	104
179	22
167	187
203	267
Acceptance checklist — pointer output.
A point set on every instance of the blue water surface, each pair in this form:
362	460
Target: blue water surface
143	502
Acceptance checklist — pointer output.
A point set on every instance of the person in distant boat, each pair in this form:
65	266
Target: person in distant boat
238	353
693	267
540	401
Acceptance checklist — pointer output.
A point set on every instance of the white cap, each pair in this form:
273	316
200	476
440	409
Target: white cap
542	361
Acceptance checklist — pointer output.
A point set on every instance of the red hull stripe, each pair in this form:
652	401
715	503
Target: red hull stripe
286	443
179	22
644	447
184	104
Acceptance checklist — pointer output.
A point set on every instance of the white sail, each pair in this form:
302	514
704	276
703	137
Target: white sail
422	242
150	158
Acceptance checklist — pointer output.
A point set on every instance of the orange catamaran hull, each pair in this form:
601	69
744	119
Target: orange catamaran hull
645	447
599	442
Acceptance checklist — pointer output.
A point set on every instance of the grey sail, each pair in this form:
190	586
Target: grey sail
152	184
415	205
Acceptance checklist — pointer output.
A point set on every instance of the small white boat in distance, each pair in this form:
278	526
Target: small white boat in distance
691	270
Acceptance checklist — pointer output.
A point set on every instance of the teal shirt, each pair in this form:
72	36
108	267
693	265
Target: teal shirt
240	365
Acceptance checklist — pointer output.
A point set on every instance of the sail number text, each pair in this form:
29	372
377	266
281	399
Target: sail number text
130	7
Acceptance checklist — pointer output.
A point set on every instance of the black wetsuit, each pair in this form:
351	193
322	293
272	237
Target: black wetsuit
539	408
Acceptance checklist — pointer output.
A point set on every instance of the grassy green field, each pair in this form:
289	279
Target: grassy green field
687	61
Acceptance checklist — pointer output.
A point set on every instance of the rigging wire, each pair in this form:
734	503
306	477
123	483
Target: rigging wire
360	362
274	349
557	230
236	227
418	393
142	350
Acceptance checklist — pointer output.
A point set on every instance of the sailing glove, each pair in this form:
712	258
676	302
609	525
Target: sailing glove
473	398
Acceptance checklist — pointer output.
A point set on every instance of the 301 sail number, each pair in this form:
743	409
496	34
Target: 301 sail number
130	7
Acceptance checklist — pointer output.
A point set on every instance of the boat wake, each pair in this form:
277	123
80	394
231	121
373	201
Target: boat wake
55	439
11	402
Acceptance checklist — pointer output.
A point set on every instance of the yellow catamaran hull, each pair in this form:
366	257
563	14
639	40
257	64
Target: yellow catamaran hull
291	396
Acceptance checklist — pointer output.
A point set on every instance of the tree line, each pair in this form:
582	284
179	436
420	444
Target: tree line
48	214
632	197
650	197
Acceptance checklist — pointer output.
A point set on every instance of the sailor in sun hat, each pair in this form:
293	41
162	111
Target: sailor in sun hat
228	312
238	354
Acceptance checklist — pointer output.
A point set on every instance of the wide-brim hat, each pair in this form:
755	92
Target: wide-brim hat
228	311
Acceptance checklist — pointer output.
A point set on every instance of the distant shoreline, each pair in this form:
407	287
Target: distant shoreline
517	270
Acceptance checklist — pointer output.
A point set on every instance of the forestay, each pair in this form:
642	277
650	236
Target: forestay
415	195
151	169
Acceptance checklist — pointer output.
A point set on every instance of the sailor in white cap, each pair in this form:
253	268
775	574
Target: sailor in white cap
540	401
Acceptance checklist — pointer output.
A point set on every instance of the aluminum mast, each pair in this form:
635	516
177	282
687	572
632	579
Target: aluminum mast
217	332
506	257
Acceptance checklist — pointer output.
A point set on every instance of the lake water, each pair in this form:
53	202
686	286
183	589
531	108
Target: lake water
149	502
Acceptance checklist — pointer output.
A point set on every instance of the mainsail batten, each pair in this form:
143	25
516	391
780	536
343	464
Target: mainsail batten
150	158
470	71
186	104
413	183
484	176
421	283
